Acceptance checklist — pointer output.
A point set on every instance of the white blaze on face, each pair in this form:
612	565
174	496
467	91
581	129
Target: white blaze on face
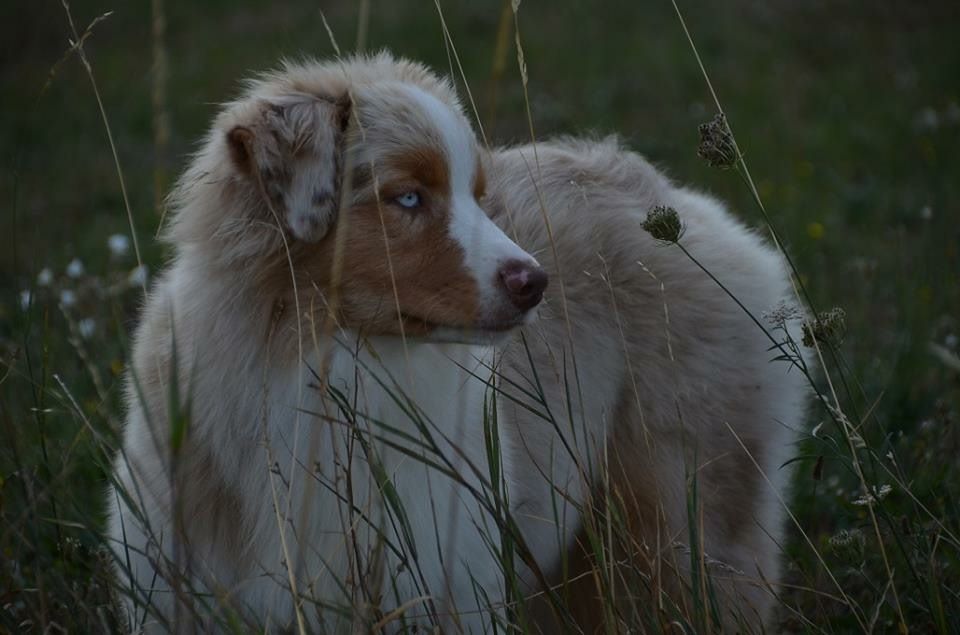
486	248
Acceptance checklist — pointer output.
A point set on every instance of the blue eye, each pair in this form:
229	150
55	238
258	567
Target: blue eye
410	200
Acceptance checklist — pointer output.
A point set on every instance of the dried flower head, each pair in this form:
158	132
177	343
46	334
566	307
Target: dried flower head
663	223
782	313
828	328
848	545
846	537
717	146
871	498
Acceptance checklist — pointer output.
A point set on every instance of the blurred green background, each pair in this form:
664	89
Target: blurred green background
848	113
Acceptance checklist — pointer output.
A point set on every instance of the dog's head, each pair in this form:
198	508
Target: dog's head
368	174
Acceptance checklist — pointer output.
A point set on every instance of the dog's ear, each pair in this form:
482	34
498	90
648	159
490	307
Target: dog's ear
291	152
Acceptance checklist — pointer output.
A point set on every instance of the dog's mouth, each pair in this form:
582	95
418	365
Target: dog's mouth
487	331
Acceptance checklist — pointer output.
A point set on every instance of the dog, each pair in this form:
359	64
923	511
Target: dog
391	378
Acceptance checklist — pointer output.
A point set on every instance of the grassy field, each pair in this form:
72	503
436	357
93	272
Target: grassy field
848	114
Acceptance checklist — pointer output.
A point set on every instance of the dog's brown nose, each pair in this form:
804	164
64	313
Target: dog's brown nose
524	282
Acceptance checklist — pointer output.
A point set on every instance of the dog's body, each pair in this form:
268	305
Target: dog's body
343	444
680	391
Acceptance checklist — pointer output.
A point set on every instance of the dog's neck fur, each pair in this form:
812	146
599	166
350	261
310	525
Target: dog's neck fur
374	374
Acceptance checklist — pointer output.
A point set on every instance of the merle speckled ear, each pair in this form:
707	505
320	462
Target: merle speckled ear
293	152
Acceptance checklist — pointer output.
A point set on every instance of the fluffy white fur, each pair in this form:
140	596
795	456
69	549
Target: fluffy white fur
302	440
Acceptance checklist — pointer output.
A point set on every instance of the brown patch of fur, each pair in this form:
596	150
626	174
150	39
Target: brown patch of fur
642	545
644	540
213	511
433	288
239	142
738	478
427	165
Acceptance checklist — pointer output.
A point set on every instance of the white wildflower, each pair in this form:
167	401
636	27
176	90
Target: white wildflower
138	276
119	244
68	298
782	313
876	496
26	297
926	212
86	326
75	268
45	277
950	340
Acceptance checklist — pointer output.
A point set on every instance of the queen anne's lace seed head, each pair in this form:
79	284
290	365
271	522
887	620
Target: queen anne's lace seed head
828	328
663	223
717	146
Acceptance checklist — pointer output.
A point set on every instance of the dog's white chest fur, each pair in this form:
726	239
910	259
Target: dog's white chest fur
397	470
